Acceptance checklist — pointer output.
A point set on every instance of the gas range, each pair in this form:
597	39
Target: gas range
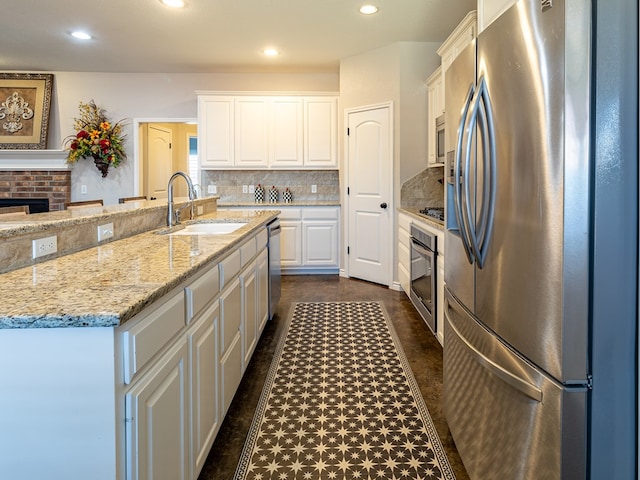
434	212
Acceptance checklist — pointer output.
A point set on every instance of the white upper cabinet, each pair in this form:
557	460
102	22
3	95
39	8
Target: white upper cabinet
463	35
435	108
320	120
267	131
287	136
251	130
216	131
489	10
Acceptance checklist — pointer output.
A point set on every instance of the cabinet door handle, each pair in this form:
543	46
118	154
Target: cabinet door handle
383	205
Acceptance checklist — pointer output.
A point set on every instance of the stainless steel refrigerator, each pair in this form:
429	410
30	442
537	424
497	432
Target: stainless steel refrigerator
519	323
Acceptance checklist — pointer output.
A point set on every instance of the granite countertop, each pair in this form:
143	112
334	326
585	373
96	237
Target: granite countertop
37	222
301	203
415	212
105	286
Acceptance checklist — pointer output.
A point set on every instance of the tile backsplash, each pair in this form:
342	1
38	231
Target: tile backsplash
423	190
229	183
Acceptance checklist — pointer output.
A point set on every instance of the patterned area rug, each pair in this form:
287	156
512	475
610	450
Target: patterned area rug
341	403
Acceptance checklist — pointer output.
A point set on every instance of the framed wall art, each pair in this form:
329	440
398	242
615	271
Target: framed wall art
25	100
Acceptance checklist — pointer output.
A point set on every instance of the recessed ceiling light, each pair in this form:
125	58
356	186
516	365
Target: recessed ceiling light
173	3
271	52
81	35
368	9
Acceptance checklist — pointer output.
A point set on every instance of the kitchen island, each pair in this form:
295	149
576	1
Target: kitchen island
120	360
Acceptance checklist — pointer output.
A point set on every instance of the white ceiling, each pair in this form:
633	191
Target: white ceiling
212	35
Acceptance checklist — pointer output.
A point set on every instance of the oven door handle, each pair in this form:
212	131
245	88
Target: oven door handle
422	250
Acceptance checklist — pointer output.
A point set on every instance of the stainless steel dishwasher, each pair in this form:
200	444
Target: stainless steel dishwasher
273	245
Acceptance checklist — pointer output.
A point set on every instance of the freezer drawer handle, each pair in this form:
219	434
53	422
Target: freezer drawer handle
528	389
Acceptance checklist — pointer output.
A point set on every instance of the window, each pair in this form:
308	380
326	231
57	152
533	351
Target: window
193	159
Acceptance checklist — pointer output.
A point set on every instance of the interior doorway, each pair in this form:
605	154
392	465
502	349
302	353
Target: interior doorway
370	193
164	146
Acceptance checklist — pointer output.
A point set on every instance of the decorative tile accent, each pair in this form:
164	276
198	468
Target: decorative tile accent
230	182
341	402
423	190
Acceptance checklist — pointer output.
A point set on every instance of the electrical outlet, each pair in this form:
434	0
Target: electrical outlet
105	231
83	189
200	210
252	189
45	246
314	189
245	189
212	189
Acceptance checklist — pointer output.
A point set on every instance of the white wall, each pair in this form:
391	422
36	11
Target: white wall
159	96
417	62
394	73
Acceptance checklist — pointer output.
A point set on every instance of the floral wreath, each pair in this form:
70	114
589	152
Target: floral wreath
97	137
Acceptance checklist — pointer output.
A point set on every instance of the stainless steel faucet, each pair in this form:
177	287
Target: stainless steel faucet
173	215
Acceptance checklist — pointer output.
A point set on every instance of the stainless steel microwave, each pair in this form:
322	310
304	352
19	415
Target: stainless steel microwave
440	139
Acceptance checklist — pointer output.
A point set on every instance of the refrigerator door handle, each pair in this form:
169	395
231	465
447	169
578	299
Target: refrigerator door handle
506	376
482	115
461	221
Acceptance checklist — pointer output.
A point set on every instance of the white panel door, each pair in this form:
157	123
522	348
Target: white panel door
158	164
370	194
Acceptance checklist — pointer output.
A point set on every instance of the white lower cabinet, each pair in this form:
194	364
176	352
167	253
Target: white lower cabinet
142	401
230	342
203	384
231	372
309	238
156	416
291	244
320	237
249	284
183	360
404	252
405	260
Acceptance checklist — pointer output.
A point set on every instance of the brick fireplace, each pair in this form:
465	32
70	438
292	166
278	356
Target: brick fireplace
52	184
35	174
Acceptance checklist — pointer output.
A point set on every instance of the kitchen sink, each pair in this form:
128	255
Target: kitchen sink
208	228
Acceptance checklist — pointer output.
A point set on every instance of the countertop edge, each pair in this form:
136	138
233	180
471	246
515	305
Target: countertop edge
268	205
423	218
63	298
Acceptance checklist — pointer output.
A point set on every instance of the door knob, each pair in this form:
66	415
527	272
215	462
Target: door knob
383	205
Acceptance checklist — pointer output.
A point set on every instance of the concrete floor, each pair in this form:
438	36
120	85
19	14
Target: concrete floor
420	346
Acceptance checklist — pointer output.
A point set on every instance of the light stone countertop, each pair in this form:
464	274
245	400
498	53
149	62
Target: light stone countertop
105	286
414	212
301	203
38	222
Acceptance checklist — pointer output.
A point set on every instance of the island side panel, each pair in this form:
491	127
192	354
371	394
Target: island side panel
57	406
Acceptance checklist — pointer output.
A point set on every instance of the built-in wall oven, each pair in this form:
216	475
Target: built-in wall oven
423	291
